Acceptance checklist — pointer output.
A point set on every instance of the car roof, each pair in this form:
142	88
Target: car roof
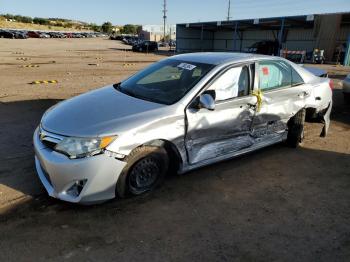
217	58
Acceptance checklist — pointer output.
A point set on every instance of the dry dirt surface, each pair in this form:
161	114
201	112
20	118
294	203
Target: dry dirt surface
276	204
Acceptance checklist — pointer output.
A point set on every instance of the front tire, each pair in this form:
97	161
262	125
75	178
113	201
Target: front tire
145	170
296	129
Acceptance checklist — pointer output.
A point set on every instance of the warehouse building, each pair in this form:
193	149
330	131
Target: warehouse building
156	32
329	32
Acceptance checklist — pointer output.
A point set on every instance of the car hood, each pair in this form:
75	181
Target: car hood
104	111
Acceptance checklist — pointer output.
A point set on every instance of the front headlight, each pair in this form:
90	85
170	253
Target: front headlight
76	147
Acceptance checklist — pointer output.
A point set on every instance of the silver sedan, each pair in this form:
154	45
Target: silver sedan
176	115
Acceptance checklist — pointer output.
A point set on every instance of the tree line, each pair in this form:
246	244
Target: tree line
106	27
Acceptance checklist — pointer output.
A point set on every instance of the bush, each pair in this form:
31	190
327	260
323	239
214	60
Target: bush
95	27
107	27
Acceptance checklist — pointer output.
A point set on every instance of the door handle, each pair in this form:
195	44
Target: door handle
303	94
248	105
251	106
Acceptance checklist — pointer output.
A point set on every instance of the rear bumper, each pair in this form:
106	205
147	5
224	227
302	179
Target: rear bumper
58	173
327	120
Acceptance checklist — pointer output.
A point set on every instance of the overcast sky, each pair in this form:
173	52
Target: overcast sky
179	11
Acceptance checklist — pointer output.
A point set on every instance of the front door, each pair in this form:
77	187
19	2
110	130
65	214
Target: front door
227	128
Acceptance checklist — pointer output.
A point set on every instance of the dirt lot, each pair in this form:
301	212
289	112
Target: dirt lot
277	204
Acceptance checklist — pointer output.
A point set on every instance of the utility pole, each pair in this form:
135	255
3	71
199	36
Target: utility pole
229	10
164	19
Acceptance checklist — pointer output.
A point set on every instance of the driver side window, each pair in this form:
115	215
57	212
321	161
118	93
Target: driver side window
233	83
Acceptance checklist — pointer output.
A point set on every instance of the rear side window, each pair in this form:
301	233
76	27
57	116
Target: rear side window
274	74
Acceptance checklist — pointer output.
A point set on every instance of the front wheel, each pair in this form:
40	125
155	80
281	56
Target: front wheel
296	129
145	170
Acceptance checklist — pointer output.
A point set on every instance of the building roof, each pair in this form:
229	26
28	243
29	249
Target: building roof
216	58
272	23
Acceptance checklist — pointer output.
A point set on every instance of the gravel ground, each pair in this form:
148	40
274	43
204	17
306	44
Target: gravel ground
276	204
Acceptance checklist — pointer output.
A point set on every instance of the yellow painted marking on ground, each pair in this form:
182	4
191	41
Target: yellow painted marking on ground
36	82
23	58
30	66
126	65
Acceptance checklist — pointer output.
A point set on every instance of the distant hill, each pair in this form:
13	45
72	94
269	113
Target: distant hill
38	23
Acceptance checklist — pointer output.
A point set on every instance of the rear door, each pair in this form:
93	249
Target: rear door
283	94
227	129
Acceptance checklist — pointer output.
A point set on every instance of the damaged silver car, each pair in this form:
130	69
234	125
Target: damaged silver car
176	115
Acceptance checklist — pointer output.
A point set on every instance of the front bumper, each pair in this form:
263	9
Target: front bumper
58	173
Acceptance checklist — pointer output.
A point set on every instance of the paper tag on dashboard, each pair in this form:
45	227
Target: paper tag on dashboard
186	66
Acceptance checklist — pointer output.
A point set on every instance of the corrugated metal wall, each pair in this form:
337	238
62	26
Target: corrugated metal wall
189	40
300	40
328	33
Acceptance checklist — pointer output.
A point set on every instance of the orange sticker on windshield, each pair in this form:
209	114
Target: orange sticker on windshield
265	70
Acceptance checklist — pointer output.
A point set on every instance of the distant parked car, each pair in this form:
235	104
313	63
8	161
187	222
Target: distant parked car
33	34
43	35
146	46
20	35
172	43
346	89
6	34
264	48
162	44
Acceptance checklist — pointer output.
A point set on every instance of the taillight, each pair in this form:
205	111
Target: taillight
331	84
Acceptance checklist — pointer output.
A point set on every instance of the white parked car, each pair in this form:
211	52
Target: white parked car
43	35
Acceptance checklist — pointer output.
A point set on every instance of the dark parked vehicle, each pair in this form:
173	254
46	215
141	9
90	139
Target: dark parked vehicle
20	35
264	48
33	34
146	46
6	34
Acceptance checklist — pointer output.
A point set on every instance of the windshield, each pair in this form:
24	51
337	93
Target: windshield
165	82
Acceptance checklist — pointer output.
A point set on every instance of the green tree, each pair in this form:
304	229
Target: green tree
41	21
26	19
129	29
95	27
107	27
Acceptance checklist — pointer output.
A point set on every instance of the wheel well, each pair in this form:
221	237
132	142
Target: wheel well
173	153
310	114
313	116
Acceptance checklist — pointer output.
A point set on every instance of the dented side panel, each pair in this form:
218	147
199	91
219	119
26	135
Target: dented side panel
214	133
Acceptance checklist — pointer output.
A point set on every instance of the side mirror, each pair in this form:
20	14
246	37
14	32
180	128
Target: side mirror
206	101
